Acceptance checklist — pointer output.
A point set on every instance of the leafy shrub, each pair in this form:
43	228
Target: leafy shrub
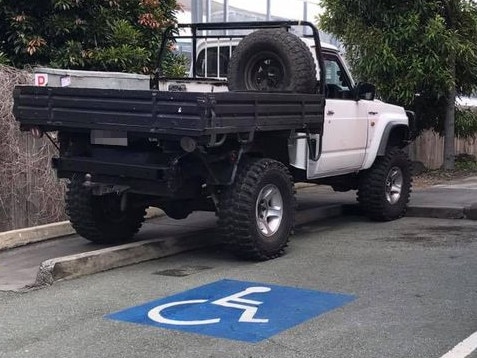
108	35
465	161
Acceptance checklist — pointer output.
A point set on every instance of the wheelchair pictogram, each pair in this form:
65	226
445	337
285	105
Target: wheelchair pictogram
235	301
238	310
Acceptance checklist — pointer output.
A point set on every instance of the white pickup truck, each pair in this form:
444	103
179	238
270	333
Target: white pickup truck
259	112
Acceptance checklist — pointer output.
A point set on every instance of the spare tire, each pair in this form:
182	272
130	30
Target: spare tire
272	60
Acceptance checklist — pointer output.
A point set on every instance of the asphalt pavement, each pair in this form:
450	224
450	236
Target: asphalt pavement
400	289
64	256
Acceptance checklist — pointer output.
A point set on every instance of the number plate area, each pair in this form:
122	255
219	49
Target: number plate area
105	137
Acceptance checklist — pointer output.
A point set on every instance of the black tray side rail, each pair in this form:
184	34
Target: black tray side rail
168	114
135	111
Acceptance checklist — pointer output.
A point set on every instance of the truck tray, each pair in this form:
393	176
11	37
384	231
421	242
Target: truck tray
161	113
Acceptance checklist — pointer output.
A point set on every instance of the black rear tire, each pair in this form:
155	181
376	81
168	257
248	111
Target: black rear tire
385	188
272	60
257	213
99	218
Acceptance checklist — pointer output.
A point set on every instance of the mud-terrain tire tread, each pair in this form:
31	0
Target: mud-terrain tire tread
237	217
300	66
89	222
371	191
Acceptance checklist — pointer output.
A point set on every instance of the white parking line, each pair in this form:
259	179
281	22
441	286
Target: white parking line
464	348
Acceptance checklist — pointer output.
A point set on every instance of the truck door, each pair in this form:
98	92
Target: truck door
345	127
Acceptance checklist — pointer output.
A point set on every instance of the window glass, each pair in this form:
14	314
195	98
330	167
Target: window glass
338	84
207	66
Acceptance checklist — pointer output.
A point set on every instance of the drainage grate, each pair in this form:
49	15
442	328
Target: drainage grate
182	271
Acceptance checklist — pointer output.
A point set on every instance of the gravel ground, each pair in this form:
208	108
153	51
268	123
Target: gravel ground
434	177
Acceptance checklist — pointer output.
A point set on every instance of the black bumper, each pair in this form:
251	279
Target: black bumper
141	179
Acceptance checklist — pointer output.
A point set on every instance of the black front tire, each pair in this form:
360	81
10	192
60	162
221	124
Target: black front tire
272	60
385	188
257	213
100	219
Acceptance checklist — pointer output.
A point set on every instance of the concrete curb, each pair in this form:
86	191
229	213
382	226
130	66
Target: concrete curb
20	237
436	212
72	266
30	235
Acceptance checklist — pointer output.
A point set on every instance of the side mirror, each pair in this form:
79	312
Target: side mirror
365	91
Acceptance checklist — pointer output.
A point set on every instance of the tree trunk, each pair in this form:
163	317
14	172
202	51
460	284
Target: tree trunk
449	124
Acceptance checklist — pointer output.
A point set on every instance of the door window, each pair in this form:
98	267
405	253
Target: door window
338	84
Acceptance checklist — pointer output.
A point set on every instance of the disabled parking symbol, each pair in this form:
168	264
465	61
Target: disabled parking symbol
233	301
238	310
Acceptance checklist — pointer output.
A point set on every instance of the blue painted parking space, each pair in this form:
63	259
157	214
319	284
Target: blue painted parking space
238	310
